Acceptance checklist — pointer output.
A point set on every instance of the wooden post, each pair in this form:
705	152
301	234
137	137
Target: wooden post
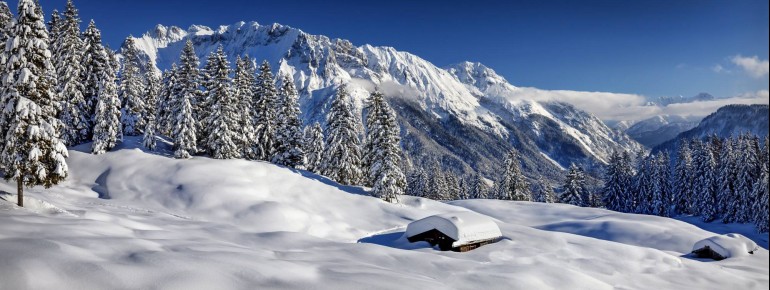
20	190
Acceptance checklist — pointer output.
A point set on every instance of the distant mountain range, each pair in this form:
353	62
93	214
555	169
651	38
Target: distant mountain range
461	115
728	121
656	130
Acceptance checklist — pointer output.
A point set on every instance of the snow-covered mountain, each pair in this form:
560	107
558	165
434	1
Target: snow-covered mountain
728	121
656	130
462	115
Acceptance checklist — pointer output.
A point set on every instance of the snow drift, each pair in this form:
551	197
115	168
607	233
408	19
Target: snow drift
141	220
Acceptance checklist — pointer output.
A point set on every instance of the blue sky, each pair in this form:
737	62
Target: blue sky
653	48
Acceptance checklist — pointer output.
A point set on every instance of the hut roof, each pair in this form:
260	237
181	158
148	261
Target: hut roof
463	227
729	245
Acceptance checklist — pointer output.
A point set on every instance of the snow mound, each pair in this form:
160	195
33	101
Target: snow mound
463	227
8	202
728	246
146	221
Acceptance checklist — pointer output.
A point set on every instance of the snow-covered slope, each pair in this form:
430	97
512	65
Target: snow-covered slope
539	118
730	120
132	220
656	130
444	114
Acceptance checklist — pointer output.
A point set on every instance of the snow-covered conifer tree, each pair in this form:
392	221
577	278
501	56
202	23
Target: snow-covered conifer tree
514	185
27	70
223	118
417	182
132	90
384	151
574	188
683	179
643	184
661	188
761	215
265	113
32	153
243	83
616	181
313	144
749	170
187	83
166	119
452	185
727	176
545	192
95	62
184	128
704	166
75	112
288	141
107	127
342	151
478	187
151	91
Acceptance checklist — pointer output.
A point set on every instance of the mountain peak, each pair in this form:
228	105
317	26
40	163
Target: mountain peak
476	74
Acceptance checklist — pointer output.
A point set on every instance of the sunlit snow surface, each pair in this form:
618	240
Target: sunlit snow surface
133	220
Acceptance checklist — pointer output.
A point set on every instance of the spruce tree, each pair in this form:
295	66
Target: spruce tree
184	128
644	185
32	153
478	187
131	90
683	179
243	83
223	118
383	151
417	184
187	84
727	176
661	189
107	127
265	114
615	183
6	17
75	114
55	27
544	192
514	185
313	144
342	151
95	63
761	216
166	101
27	69
749	170
704	165
288	141
574	188
151	91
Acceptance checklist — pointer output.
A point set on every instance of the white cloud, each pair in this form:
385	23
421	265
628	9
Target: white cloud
621	107
755	67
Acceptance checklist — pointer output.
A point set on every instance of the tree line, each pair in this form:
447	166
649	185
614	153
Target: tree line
716	178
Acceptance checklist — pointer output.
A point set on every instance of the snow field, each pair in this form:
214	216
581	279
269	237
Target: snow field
233	224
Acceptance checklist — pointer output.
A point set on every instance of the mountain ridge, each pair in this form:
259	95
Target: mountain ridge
434	104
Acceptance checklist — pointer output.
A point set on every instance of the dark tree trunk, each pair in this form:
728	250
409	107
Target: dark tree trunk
20	190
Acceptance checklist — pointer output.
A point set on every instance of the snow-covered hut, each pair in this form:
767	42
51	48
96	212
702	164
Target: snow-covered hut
724	246
456	231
